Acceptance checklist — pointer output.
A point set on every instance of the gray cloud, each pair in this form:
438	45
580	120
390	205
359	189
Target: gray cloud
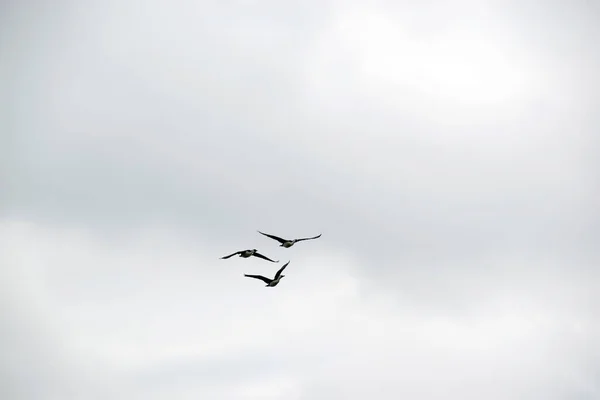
447	152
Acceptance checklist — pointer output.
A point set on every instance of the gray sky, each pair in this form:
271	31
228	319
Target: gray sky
447	151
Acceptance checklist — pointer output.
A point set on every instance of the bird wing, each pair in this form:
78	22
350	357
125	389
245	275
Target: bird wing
281	270
262	278
231	255
263	257
310	238
280	240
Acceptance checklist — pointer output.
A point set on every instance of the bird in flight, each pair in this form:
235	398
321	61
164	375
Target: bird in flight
248	253
287	242
270	282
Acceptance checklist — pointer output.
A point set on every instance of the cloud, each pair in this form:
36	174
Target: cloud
157	315
446	153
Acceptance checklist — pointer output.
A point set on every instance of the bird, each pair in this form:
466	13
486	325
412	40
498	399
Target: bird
249	253
287	242
270	282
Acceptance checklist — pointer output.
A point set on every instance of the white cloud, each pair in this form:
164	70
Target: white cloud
159	302
446	153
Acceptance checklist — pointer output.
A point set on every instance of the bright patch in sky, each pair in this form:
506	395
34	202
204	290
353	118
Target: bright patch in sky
471	69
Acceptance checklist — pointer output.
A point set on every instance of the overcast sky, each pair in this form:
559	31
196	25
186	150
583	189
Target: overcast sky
446	150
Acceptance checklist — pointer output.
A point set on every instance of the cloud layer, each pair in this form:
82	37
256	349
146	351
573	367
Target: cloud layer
446	153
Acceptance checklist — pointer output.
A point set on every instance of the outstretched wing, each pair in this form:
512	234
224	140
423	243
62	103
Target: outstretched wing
231	255
280	240
281	270
310	238
263	257
262	278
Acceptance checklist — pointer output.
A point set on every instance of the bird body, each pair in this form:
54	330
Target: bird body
287	243
270	282
247	254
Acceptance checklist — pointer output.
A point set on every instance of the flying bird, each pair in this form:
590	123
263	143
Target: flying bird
287	242
248	253
270	282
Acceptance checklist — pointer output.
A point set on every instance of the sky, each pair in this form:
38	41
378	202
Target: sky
445	150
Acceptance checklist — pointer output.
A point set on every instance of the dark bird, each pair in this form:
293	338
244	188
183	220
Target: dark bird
287	242
270	282
248	253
